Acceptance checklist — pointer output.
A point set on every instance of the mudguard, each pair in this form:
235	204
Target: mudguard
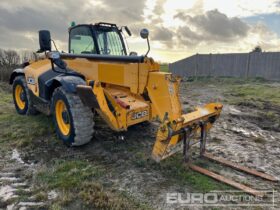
75	84
69	83
15	73
51	80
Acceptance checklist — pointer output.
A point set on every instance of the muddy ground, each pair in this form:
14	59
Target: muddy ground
38	172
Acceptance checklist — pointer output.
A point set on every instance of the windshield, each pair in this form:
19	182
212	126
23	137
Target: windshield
110	41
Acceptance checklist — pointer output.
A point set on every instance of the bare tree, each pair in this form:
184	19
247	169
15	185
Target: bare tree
27	56
2	57
12	58
9	59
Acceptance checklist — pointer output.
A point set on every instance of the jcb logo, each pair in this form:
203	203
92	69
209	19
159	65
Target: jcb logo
138	115
30	80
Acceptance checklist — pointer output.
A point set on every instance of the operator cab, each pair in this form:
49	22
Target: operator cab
100	38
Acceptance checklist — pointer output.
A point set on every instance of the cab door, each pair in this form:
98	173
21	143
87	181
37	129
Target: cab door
81	40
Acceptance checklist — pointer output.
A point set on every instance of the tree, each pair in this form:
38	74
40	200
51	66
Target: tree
27	56
257	49
9	58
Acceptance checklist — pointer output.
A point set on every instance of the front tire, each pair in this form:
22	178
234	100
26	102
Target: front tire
21	96
73	121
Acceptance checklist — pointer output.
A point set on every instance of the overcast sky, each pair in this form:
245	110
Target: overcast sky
178	28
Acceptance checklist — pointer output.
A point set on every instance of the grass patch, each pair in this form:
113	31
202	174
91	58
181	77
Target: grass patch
256	93
79	180
41	196
65	175
175	170
225	80
259	140
164	67
18	130
253	92
244	90
22	131
261	96
55	206
94	195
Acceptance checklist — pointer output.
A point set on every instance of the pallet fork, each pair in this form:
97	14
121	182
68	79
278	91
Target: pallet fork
225	162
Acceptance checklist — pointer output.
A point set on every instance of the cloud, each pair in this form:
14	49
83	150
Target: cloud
122	12
243	8
204	42
219	25
215	32
188	37
162	34
195	9
157	12
211	26
18	19
277	4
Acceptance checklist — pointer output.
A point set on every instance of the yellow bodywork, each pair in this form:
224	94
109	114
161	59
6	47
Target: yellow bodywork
137	92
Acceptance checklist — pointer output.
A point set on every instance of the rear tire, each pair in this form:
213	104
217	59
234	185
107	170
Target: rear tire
21	96
73	120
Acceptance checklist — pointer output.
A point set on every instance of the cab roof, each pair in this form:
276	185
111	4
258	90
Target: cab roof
113	25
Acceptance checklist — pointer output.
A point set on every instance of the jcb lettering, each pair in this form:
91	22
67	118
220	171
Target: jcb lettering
139	115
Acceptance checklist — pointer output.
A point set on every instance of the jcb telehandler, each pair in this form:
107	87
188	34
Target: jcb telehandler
98	75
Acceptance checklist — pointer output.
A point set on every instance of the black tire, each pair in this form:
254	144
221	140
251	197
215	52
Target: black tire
80	118
28	108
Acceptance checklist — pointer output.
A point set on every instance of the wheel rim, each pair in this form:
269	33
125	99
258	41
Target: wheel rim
20	97
62	117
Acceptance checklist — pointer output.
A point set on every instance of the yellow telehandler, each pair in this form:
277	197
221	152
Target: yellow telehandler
99	75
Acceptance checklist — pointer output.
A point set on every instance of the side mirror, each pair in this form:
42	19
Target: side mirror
144	33
45	41
127	30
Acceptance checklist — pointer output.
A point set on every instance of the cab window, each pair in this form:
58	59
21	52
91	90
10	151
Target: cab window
81	41
109	41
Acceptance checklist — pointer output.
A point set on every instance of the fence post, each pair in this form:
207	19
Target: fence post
211	66
248	65
196	66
